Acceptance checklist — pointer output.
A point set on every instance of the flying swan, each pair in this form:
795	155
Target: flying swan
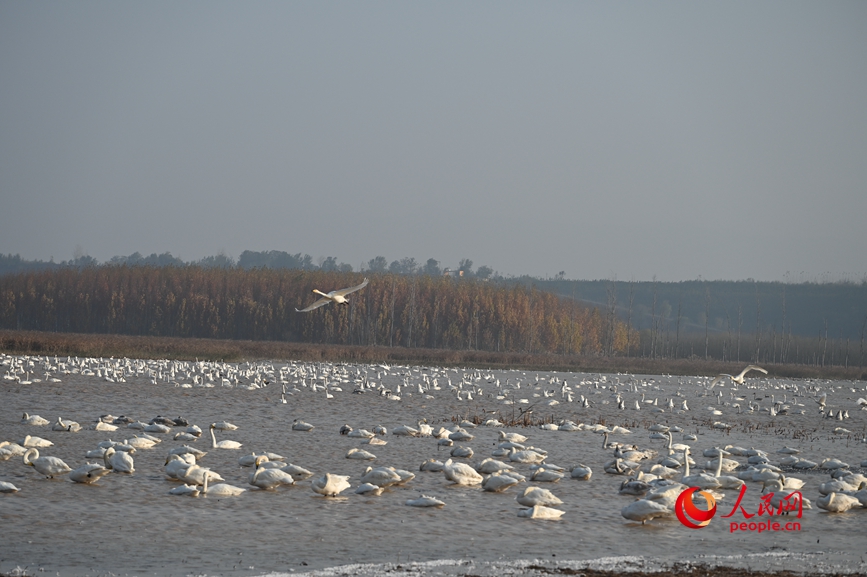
338	296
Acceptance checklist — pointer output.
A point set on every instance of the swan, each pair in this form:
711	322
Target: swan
270	478
360	454
119	461
674	448
700	480
540	512
533	496
543	475
461	452
726	481
38	442
432	465
511	437
582	472
33	420
89	473
335	296
186	449
185	491
461	435
527	456
368	489
48	466
140	443
489	466
634	487
8	487
301	426
405	431
461	473
381	477
644	510
739	378
296	472
175	464
498	483
330	485
425	501
837	502
224	444
360	434
68	426
375	441
221	489
221	426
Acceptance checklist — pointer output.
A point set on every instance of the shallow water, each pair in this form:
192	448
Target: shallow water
130	525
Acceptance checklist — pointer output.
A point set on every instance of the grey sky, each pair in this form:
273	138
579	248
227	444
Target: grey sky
726	140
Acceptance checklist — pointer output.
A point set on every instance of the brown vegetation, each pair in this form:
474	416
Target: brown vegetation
258	304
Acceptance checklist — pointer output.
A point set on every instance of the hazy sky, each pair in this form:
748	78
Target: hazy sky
726	140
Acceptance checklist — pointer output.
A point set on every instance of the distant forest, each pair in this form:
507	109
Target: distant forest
424	311
729	320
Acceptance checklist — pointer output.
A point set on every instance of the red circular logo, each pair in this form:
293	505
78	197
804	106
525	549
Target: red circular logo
689	514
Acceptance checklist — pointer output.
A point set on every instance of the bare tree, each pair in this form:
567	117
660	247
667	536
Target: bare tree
629	316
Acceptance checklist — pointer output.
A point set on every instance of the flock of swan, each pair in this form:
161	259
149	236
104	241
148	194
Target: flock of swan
650	468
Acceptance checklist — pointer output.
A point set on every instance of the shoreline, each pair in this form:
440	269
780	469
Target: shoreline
176	348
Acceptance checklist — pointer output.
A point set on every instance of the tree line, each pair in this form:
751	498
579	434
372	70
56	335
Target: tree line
439	312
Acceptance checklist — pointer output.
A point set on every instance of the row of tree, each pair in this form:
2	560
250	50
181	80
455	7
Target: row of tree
259	304
250	259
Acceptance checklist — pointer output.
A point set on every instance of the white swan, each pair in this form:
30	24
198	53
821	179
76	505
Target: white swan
185	491
48	466
330	485
29	441
533	496
490	466
176	464
270	478
725	481
297	473
582	472
540	512
461	473
33	420
381	477
8	487
301	426
119	461
221	489
335	296
224	444
356	453
425	501
739	378
368	489
644	510
498	483
837	502
89	473
700	480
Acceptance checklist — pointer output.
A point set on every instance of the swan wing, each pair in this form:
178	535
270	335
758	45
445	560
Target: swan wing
321	302
346	291
751	368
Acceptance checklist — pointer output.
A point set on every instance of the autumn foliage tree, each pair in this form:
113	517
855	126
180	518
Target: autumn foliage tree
259	304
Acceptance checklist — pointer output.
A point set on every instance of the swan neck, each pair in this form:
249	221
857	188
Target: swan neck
719	463
29	452
213	439
686	464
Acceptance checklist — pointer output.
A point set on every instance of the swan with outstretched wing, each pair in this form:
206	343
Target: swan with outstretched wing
338	296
